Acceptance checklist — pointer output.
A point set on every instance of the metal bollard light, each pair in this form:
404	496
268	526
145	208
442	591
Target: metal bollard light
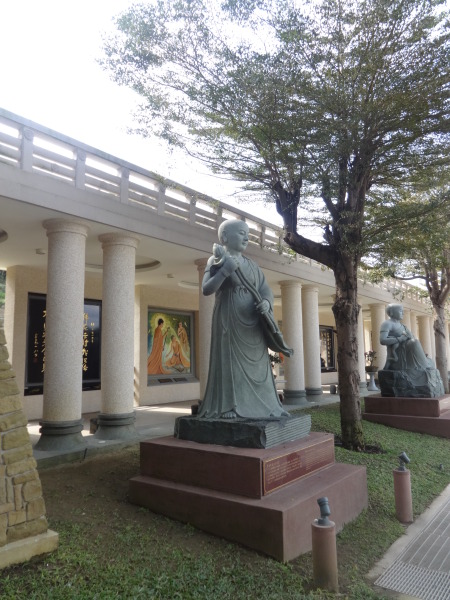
402	490
324	553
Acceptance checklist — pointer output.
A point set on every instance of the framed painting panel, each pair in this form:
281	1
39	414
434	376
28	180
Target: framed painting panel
170	346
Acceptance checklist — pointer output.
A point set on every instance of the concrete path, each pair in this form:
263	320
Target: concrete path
151	422
418	564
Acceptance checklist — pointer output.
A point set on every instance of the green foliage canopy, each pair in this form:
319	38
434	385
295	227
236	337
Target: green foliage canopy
413	240
303	101
318	104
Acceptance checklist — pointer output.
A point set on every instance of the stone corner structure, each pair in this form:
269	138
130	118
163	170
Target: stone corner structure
24	529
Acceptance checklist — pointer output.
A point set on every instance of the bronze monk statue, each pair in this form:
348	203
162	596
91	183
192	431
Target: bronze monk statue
240	380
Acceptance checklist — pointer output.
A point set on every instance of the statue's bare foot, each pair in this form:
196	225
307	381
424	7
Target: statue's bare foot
230	414
284	413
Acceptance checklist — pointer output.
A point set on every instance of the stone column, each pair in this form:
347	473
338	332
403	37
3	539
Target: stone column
425	334
377	316
62	424
367	334
205	311
361	357
413	323
311	340
116	421
433	339
291	300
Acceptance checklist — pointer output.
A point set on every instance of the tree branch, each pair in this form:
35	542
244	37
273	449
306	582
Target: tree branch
312	250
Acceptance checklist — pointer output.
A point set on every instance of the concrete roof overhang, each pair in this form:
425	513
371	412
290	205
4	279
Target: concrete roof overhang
169	246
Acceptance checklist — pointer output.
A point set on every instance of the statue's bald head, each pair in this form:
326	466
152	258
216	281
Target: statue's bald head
395	310
229	225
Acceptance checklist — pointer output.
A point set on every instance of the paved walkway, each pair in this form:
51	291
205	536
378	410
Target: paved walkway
417	566
151	422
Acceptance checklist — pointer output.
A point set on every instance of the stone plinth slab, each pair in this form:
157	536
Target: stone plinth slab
421	415
278	524
438	426
411	383
423	407
23	550
242	433
247	472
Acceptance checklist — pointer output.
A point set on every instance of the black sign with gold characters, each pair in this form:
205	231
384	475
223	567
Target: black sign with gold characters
35	348
327	353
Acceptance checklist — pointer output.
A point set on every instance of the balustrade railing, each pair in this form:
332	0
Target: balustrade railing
33	148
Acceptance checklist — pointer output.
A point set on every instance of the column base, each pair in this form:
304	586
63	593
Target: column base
297	397
116	426
314	391
363	386
61	435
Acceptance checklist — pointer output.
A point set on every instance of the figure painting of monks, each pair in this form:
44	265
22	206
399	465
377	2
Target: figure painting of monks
240	381
183	337
169	350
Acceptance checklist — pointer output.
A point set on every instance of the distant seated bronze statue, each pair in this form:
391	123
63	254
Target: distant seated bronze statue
240	380
404	351
408	371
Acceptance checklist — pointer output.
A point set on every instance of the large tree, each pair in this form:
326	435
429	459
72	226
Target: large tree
314	103
412	242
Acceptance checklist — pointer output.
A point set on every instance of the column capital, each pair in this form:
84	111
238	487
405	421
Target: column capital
290	283
310	287
201	263
66	226
118	239
419	316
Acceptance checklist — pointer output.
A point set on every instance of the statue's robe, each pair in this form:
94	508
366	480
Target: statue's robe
240	375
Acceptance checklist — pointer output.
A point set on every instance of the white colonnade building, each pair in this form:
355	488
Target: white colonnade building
104	261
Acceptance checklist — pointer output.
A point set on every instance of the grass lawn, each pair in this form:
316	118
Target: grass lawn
111	549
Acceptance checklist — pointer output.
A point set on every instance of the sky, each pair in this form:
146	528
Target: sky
49	74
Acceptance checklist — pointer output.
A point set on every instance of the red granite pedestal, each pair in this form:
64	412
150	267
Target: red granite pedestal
265	499
421	415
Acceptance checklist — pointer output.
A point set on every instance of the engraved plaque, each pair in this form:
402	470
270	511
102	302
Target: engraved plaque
289	467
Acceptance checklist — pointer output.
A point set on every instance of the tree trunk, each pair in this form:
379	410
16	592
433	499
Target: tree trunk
346	311
440	341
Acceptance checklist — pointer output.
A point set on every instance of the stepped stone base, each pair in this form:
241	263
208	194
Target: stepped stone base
421	415
265	499
247	472
23	550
